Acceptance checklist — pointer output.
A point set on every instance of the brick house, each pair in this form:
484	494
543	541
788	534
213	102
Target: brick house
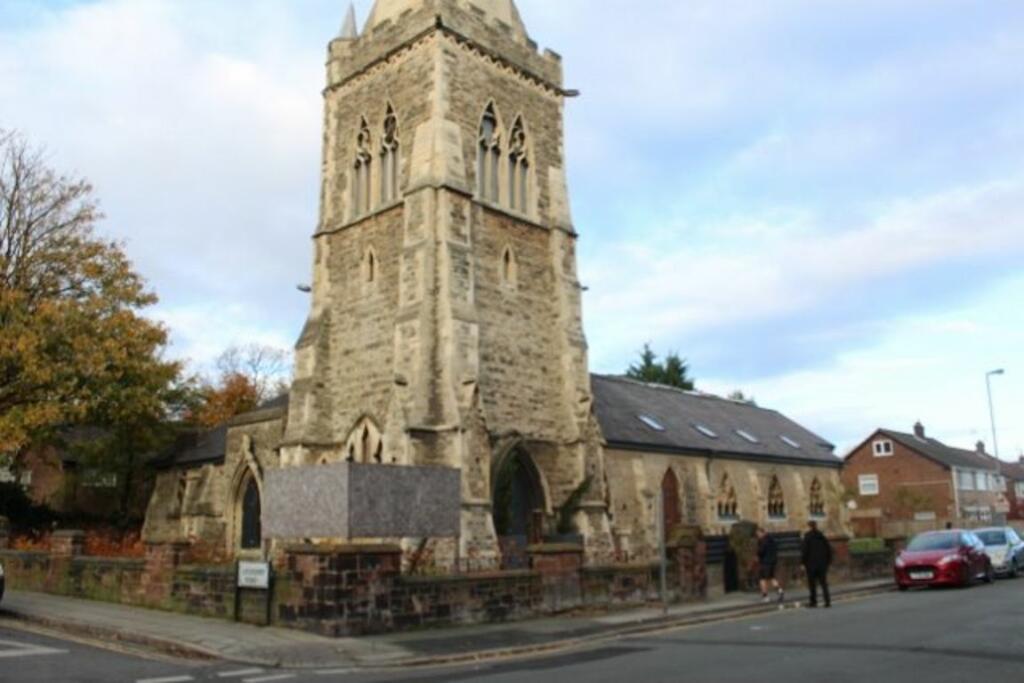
906	483
1013	472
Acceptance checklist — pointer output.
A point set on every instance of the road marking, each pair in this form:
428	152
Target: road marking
240	673
16	649
167	679
264	679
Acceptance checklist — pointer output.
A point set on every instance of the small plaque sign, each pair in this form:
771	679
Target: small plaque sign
254	575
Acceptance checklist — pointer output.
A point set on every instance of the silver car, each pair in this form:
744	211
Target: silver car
1005	548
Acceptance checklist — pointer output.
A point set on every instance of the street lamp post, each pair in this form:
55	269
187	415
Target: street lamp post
991	411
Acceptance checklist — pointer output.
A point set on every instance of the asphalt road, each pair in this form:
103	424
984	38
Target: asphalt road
947	635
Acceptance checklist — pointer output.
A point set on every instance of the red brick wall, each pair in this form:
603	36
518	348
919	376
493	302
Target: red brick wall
904	469
1016	503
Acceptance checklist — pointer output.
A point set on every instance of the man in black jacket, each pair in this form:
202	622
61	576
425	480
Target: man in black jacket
768	560
816	553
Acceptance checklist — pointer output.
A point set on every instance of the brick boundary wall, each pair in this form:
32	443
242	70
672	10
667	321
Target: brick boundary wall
359	589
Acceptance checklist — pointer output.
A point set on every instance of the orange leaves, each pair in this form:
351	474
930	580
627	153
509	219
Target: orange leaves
236	394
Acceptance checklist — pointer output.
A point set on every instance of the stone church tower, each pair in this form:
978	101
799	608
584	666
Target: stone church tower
446	323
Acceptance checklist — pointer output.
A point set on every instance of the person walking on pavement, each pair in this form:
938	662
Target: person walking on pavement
768	560
816	553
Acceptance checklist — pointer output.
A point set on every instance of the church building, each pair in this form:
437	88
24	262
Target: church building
445	329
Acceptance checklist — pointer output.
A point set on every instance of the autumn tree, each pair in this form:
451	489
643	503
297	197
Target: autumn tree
74	344
247	376
673	372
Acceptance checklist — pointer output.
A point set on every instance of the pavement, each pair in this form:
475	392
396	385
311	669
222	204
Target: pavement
210	640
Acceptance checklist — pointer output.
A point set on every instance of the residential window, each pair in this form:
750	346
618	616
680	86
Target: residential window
98	479
706	431
868	484
981	481
883	448
748	436
965	480
790	442
1020	489
7	475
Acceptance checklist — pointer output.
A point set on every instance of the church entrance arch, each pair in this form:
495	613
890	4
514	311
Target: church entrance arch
518	508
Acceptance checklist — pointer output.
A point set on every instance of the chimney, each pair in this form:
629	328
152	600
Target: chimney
919	430
980	447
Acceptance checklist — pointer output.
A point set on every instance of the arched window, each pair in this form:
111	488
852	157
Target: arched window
509	267
365	443
776	500
728	503
251	528
370	266
361	172
389	158
817	499
672	515
488	156
518	168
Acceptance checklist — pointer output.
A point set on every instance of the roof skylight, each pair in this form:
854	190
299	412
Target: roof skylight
651	422
748	436
789	442
706	431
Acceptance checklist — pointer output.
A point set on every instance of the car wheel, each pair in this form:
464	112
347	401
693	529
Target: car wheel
1014	570
990	574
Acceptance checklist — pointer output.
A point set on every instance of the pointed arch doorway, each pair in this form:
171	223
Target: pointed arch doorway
251	529
518	508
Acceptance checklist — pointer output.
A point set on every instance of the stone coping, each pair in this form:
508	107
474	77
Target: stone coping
468	578
346	549
554	549
10	552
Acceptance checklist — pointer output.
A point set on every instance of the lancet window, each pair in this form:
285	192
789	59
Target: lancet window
389	158
362	171
488	157
728	503
776	500
518	168
817	499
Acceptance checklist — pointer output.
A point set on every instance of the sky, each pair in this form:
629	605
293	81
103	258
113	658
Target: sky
818	202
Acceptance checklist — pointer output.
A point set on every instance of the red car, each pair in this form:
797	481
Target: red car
943	558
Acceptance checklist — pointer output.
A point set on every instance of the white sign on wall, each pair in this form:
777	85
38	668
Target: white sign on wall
254	575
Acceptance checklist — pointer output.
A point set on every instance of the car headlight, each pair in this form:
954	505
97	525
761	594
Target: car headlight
900	562
951	559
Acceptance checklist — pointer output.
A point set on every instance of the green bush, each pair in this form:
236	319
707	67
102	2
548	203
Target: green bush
864	546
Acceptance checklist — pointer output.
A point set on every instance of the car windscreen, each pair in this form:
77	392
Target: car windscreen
992	537
934	542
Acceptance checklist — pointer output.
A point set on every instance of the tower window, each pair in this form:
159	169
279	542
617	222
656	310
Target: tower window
361	173
389	158
518	168
488	156
509	268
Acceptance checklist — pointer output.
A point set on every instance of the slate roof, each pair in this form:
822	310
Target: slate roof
941	453
619	402
201	447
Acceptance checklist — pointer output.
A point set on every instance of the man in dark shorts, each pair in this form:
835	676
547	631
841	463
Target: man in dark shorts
768	560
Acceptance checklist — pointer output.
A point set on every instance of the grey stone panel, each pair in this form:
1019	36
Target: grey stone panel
354	501
404	502
306	502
